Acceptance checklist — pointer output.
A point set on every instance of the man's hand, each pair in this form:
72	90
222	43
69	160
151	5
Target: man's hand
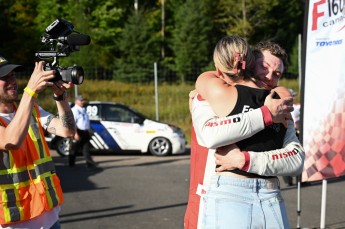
60	87
229	157
39	79
280	108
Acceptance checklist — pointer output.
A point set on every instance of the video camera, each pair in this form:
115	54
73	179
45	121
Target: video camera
59	41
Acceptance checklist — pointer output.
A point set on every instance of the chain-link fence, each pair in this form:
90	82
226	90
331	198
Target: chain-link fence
164	75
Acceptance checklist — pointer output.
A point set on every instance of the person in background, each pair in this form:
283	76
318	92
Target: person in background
30	189
82	135
296	112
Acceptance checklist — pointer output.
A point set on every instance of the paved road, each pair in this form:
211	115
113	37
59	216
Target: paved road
147	192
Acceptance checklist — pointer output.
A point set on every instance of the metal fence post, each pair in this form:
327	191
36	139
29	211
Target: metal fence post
156	89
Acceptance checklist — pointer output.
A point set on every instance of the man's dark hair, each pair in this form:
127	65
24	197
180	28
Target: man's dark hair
274	48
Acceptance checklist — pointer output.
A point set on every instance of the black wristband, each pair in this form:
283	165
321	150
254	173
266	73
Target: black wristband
60	97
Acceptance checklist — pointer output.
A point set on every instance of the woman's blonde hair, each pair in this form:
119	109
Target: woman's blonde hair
233	56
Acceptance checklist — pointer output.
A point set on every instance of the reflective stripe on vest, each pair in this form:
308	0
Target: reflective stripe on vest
28	183
22	175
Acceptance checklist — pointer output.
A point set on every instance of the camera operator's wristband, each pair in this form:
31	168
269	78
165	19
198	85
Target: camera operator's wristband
60	97
31	92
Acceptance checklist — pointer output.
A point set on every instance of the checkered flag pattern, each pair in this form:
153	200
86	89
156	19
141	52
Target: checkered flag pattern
325	152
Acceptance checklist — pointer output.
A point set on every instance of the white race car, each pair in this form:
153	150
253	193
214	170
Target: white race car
116	127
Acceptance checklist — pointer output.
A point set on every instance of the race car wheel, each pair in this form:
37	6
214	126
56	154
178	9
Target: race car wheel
63	146
160	147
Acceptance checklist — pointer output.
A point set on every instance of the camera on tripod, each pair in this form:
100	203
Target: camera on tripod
59	41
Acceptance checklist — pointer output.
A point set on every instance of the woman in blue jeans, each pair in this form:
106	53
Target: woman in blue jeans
244	193
244	203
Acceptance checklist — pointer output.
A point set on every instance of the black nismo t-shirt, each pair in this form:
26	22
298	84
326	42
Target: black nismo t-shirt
271	137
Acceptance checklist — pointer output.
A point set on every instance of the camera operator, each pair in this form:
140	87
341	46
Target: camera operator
30	189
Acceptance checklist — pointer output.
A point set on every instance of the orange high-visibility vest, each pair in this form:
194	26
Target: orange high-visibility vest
28	182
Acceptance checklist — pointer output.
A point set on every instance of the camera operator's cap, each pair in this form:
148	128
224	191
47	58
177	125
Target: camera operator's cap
6	67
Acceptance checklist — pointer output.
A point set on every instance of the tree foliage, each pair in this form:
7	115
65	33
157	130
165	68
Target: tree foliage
190	43
293	59
139	49
128	42
107	21
289	24
245	17
18	30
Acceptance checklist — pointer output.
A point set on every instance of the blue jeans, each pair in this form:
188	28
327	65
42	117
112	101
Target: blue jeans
244	203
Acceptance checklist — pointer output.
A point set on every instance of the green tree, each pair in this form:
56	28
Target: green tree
49	11
191	28
18	32
293	59
107	21
245	17
79	14
257	20
288	24
191	37
139	49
